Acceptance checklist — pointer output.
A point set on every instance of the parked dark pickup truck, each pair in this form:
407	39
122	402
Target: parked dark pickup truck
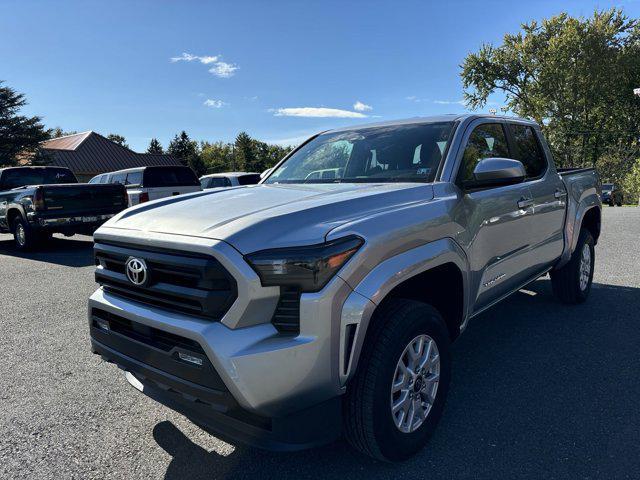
36	202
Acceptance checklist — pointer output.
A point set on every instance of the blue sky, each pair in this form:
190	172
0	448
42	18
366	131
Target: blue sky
278	70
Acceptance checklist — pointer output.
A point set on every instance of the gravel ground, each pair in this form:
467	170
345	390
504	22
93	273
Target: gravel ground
540	390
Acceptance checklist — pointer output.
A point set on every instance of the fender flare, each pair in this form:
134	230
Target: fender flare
360	305
13	207
572	229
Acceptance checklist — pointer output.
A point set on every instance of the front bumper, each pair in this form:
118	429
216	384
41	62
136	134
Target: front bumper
217	411
286	380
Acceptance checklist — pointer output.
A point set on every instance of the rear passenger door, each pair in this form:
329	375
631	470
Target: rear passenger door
548	193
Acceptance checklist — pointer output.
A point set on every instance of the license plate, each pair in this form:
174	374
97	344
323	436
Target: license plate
89	219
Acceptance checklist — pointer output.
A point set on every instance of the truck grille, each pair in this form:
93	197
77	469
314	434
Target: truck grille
183	282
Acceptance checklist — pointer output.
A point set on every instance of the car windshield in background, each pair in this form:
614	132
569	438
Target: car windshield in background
20	177
169	177
607	186
397	153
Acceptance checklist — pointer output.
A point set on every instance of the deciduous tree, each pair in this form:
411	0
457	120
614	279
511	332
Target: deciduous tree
575	76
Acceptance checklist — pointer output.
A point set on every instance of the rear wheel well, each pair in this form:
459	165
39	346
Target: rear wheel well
11	217
591	221
442	288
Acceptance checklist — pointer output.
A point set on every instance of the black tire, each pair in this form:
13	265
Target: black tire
368	422
619	204
566	280
24	237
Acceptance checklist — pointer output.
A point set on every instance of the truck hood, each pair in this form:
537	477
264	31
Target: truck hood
266	216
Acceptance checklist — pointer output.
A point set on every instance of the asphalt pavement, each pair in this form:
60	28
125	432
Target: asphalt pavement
539	389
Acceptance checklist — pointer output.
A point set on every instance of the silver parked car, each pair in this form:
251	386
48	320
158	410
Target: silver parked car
311	305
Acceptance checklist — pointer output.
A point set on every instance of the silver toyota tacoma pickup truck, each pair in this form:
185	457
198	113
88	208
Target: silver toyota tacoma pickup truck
324	300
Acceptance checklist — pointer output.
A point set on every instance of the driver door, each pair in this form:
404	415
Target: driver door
497	220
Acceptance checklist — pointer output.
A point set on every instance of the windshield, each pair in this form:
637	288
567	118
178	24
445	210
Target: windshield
607	186
19	177
398	153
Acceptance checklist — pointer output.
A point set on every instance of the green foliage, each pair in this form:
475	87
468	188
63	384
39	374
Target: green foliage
218	157
58	132
155	147
182	147
119	139
187	151
631	184
19	135
574	76
245	152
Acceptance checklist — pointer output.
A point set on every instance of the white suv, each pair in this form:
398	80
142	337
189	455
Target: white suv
150	183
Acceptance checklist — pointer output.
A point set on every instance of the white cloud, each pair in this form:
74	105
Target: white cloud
223	69
449	102
219	68
208	59
361	107
317	112
214	103
188	57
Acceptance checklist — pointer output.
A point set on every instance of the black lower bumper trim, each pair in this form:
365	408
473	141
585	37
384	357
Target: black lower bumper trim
314	426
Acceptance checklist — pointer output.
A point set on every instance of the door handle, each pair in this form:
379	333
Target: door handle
525	203
560	194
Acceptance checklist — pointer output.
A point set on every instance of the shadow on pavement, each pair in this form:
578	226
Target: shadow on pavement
539	390
71	252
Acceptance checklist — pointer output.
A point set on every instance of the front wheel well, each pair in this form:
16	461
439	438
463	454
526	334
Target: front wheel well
441	287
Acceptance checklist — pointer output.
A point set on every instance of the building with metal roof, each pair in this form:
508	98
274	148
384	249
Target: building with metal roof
88	154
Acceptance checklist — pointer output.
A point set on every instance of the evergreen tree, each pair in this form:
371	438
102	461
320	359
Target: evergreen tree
245	152
19	135
187	151
155	147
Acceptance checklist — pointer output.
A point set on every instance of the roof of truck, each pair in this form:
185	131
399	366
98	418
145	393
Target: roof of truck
430	119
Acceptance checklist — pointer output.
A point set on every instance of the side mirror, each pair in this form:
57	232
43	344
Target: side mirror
495	172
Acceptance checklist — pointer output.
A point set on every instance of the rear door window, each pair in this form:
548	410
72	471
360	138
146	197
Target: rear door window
528	150
169	177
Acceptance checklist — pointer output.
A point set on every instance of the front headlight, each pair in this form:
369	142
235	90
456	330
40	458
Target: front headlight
308	268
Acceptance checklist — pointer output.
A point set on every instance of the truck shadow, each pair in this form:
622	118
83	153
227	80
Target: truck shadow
75	252
539	390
